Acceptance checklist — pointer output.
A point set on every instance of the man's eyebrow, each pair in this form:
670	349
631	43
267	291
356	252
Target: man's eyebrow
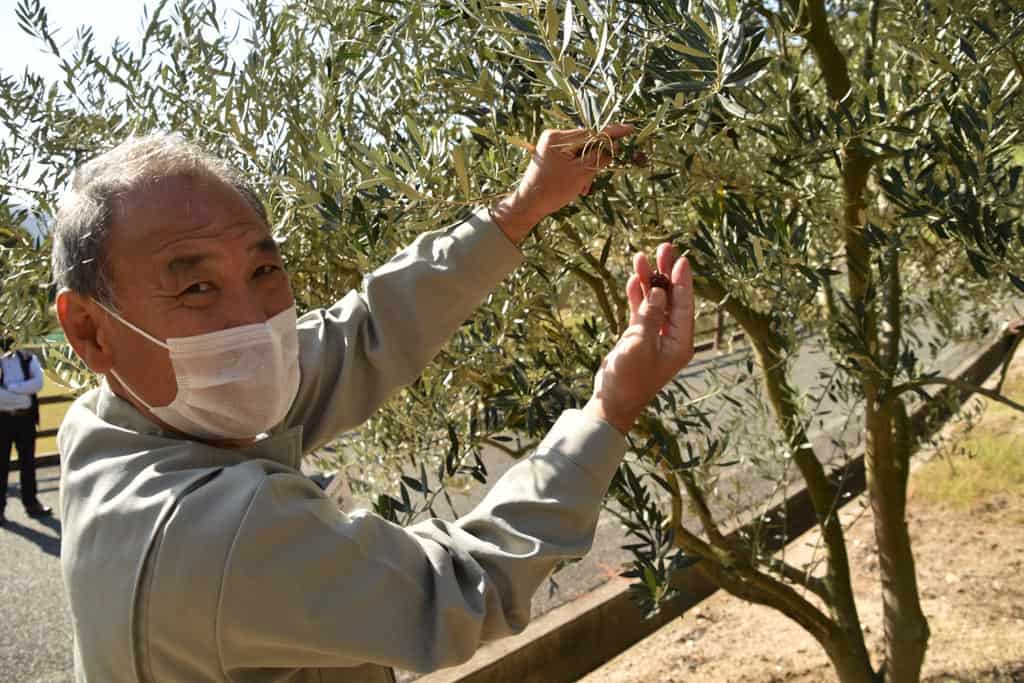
267	245
183	264
188	262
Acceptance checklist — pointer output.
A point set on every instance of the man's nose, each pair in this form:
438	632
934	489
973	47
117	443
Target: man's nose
244	308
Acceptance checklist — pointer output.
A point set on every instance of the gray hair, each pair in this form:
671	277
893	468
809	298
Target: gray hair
86	210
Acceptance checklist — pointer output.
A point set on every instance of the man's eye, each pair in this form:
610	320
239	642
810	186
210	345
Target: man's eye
267	269
198	288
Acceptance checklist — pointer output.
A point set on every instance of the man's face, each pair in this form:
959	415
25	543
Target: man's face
188	256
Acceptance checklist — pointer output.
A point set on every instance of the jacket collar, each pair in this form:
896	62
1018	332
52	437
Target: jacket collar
282	445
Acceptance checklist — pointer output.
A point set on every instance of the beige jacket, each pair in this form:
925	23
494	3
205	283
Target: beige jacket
186	562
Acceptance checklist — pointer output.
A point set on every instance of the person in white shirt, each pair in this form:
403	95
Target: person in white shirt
21	378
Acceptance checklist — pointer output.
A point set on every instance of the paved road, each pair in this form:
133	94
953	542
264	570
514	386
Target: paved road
35	626
35	638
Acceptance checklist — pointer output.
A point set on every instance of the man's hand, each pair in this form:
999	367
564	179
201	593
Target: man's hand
558	173
657	344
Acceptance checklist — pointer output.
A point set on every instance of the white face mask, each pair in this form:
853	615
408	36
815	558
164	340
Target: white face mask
236	383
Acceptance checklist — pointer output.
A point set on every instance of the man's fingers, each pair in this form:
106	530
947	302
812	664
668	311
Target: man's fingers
643	269
651	313
682	273
618	130
570	142
596	159
589	164
564	141
605	148
635	296
666	257
679	328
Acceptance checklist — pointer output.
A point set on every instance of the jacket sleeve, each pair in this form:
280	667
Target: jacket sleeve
356	353
32	385
307	586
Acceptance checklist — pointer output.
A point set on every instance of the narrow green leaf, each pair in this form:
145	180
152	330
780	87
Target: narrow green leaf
551	19
681	87
567	28
607	246
583	7
653	124
748	73
978	263
459	157
602	45
650	579
414	131
966	48
687	50
521	23
413	483
519	142
1017	282
732	106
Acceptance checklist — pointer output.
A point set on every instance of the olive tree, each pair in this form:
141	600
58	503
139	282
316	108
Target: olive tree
838	174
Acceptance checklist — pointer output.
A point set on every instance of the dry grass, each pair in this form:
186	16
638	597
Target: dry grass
984	465
983	459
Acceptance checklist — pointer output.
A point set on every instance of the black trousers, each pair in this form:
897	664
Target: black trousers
19	430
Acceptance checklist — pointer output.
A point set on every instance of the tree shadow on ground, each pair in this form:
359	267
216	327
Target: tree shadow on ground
1009	672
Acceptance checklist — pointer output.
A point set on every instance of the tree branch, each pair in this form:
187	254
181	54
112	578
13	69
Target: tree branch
830	58
597	286
892	332
800	577
869	50
959	384
612	286
703	510
1009	357
748	584
717	540
672	464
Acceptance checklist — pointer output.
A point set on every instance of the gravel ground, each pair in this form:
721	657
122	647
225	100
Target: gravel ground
35	624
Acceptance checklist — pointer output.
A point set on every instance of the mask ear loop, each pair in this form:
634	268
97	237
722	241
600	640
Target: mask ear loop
124	322
129	389
145	334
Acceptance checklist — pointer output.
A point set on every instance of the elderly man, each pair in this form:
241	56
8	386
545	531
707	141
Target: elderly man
193	548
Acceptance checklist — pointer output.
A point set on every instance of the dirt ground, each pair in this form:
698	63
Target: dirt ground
970	559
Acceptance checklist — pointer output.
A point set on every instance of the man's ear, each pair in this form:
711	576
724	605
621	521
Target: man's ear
82	321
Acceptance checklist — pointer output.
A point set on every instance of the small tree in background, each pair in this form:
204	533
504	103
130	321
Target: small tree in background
839	174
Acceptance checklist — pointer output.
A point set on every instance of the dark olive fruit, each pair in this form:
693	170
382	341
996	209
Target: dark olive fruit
633	156
660	280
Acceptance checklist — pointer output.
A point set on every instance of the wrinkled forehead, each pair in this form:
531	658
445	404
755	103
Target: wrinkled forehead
184	200
176	218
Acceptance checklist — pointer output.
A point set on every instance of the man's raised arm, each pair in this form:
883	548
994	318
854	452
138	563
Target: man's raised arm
358	352
360	590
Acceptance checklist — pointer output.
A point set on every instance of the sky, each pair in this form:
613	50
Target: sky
109	19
